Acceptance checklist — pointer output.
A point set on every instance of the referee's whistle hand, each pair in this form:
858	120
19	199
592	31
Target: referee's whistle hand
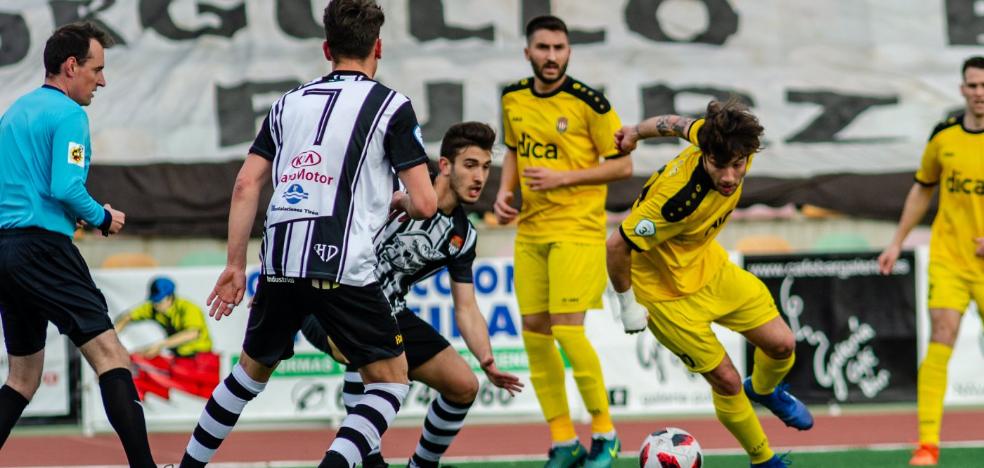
119	219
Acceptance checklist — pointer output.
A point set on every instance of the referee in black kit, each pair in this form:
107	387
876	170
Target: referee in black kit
332	146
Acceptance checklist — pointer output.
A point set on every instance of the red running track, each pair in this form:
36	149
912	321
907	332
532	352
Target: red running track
854	430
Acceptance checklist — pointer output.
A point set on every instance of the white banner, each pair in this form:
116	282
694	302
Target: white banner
840	85
642	377
52	397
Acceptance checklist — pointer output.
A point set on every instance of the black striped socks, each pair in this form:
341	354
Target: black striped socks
444	420
365	424
220	415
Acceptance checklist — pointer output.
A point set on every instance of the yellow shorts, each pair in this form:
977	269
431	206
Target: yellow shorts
734	298
559	277
948	290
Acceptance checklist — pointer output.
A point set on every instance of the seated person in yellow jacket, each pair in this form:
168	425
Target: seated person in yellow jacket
183	321
193	367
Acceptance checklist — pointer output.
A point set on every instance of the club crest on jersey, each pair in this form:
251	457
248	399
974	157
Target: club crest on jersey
645	228
325	252
454	246
76	154
305	159
295	194
561	124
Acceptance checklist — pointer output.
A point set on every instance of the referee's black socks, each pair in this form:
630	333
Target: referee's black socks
12	404
126	415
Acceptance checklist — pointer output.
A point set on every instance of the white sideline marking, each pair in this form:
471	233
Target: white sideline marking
521	458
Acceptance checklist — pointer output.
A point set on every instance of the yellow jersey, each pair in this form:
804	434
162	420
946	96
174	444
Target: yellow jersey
568	129
182	315
673	226
954	159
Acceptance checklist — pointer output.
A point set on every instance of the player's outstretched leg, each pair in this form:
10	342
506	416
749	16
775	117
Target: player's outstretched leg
219	416
774	357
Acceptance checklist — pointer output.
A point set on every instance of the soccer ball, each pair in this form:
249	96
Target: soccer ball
670	448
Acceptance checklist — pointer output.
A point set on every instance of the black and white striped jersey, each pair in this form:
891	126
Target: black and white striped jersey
410	251
334	143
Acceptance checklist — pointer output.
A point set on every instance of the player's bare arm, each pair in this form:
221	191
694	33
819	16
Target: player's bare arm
475	331
612	169
619	261
504	211
916	205
421	200
231	286
660	126
979	251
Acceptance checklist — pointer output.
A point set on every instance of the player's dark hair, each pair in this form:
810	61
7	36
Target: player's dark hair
465	134
72	40
729	131
352	27
976	61
548	22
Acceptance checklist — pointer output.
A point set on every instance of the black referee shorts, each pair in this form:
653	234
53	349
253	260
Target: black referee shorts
358	319
44	278
421	341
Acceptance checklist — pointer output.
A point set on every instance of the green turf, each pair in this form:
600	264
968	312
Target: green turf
951	458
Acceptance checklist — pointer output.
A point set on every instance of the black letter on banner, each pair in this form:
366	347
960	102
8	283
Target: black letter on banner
427	24
661	99
294	18
236	114
445	107
533	8
963	25
154	15
15	39
838	111
71	11
640	16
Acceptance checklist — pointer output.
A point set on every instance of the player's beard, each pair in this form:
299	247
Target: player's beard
538	72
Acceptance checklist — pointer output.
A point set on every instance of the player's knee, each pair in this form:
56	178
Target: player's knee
26	385
944	334
782	348
724	380
727	387
465	390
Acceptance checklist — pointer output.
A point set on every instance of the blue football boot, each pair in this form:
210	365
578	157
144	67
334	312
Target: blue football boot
782	404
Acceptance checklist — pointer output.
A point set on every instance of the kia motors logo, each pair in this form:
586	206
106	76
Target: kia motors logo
305	159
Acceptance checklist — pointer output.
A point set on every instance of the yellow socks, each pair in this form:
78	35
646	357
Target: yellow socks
931	388
547	376
768	372
587	374
736	413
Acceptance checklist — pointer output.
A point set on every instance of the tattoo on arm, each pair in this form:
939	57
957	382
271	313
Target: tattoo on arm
672	125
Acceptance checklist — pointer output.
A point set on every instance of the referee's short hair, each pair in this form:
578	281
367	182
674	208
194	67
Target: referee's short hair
465	134
72	40
352	27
